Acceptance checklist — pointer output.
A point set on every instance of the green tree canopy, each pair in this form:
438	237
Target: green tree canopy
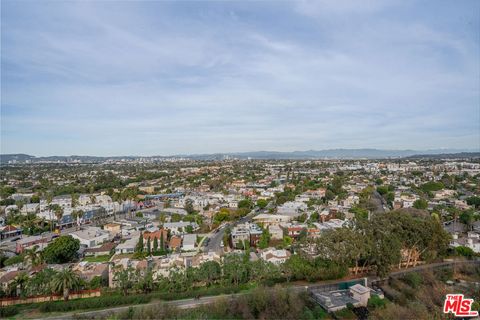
62	250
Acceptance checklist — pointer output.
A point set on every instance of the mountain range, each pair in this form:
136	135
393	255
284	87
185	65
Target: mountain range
309	154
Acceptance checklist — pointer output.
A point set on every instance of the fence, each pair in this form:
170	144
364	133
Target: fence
45	298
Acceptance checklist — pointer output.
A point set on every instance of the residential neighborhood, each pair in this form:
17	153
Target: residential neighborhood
174	217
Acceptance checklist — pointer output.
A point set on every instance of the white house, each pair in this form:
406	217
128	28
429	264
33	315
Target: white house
91	236
275	256
276	232
127	246
180	227
189	242
271	219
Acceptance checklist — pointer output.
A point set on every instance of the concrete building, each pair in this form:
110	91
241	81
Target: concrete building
91	236
189	241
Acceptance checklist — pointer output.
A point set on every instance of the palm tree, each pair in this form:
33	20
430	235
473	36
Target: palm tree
64	281
81	213
49	198
75	198
17	287
34	256
58	214
74	215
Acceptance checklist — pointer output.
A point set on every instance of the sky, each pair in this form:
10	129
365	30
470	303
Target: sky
161	78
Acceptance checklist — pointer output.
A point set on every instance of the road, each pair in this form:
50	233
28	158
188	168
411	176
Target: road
216	238
192	303
379	201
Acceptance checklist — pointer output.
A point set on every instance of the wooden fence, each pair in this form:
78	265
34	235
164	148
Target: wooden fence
45	298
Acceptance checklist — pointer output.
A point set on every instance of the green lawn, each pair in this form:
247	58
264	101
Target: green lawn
103	258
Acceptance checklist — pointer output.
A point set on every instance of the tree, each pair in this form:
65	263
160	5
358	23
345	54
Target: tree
64	281
245	204
40	283
287	241
420	204
34	256
75	199
210	272
18	285
189	206
264	239
262	203
62	250
235	269
162	242
149	246
464	251
58	211
468	218
139	247
145	283
124	279
155	245
7	191
329	195
474	201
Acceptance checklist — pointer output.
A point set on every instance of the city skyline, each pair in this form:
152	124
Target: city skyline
164	78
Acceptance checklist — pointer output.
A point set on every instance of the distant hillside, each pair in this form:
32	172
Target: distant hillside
294	155
460	155
18	157
326	154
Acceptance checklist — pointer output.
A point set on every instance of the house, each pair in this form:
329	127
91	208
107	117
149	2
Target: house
360	293
239	236
104	249
327	215
275	256
27	242
30	208
7	278
155	235
180	227
128	246
255	233
332	301
271	219
276	232
113	228
189	241
89	270
472	241
9	231
91	236
175	243
292	208
245	233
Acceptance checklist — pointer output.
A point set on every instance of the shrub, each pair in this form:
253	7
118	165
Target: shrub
464	251
413	279
13	260
8	311
93	303
376	302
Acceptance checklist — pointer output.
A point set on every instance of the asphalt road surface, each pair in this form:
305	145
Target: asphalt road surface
379	201
216	239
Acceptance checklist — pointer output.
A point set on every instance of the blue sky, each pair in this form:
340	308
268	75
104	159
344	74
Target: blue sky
160	78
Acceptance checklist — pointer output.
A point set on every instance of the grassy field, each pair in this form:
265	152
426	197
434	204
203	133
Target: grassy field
104	258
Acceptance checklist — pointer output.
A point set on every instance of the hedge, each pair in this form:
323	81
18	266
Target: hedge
8	311
93	303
